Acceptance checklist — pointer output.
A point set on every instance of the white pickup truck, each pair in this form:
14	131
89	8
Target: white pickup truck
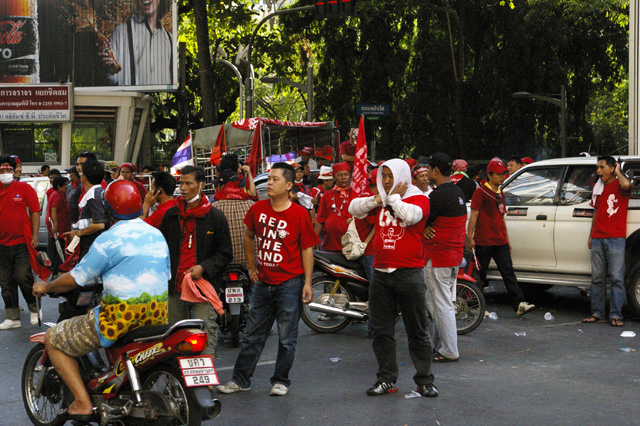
549	221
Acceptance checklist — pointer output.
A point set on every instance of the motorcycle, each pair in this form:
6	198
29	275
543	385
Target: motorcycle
341	294
154	375
235	293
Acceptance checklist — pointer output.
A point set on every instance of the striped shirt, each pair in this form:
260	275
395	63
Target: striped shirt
152	53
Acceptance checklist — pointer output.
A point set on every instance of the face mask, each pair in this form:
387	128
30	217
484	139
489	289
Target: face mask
194	199
6	178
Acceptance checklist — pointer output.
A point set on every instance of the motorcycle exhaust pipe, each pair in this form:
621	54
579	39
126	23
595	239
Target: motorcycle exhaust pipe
358	306
325	309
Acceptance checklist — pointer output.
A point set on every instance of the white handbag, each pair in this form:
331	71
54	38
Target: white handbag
352	247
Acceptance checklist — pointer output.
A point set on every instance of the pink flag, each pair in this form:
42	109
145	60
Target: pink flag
359	182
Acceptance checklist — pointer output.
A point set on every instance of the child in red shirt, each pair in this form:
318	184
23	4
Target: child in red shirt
487	233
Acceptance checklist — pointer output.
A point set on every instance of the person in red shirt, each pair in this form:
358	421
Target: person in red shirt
279	245
348	147
200	244
127	171
608	240
53	173
20	213
401	211
162	186
445	235
58	220
333	209
325	182
487	234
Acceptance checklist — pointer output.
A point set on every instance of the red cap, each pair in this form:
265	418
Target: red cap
296	166
459	166
341	167
411	162
307	150
496	167
527	160
129	166
373	177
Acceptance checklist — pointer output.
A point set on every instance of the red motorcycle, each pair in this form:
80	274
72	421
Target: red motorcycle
153	375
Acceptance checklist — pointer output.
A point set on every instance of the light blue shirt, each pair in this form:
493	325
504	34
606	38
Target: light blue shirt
133	260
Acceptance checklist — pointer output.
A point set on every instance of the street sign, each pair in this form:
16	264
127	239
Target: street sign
372	110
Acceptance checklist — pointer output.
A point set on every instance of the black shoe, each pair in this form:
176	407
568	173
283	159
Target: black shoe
430	391
380	388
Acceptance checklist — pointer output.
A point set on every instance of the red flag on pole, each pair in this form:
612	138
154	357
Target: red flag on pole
255	155
359	182
219	148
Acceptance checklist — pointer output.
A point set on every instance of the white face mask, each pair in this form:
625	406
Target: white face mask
6	178
194	199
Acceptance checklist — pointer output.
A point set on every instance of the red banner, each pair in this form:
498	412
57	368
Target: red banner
359	182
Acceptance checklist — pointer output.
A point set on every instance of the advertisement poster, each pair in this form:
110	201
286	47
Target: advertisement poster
103	44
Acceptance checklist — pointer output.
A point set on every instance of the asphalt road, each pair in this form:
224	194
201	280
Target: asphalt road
559	372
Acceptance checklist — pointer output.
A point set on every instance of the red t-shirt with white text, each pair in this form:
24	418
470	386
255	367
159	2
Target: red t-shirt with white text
490	227
17	202
280	239
396	245
611	212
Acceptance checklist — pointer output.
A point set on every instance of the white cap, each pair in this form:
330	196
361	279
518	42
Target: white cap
325	173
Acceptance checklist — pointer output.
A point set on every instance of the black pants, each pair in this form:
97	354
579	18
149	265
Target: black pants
502	257
15	272
404	289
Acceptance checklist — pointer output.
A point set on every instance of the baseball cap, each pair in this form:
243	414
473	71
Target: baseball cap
373	177
113	165
527	160
440	160
72	169
411	162
496	167
326	172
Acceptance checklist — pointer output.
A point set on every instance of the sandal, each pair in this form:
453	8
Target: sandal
592	319
438	357
616	322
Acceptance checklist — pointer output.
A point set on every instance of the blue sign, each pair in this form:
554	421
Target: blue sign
372	110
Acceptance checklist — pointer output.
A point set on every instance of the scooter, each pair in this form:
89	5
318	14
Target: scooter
235	293
153	375
341	294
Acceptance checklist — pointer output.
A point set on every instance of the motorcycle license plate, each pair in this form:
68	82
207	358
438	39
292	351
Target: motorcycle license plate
234	294
198	371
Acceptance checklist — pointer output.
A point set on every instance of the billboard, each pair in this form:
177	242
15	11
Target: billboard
102	44
42	102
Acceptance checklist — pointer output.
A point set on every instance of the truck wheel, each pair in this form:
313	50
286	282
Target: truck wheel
633	291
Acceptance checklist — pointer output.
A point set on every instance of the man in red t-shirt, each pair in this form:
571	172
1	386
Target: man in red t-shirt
487	233
162	187
333	209
401	210
58	220
348	147
608	239
278	244
444	244
20	213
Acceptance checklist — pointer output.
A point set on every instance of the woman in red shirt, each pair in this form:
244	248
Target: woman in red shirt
58	220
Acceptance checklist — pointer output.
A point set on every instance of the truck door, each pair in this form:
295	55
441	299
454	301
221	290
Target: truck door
531	213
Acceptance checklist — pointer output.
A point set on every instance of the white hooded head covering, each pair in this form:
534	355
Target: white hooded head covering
401	173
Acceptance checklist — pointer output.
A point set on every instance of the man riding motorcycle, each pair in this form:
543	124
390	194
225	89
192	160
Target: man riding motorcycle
133	260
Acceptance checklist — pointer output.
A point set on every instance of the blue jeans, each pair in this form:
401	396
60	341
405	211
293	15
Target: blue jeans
607	256
404	289
15	272
270	303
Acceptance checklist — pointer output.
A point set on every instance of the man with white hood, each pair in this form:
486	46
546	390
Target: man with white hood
398	250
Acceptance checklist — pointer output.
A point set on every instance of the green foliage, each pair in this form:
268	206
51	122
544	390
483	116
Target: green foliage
144	298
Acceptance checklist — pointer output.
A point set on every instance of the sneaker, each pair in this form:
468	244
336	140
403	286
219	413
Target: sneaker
279	390
34	317
380	388
232	387
430	391
7	324
524	308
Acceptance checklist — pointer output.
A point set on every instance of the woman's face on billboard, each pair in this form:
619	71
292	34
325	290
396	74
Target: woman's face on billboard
149	7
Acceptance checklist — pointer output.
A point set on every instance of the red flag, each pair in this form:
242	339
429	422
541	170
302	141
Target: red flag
219	148
359	182
255	155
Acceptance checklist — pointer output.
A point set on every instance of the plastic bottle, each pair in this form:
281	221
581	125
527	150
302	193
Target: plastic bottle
548	316
493	316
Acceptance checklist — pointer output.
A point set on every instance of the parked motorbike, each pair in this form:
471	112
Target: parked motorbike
235	294
341	295
154	375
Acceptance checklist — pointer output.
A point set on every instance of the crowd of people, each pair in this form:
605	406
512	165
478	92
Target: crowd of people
413	216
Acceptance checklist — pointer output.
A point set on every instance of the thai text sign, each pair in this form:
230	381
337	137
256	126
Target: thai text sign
372	110
44	103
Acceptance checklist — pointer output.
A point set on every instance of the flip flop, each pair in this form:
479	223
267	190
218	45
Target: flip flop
592	319
616	322
438	357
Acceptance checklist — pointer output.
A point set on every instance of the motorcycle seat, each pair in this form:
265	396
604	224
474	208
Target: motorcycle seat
337	258
152	331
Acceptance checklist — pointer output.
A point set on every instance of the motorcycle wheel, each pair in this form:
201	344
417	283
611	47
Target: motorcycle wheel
235	331
43	409
168	381
469	306
326	323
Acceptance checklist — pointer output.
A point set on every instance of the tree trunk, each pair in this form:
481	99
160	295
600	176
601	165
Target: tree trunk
204	63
